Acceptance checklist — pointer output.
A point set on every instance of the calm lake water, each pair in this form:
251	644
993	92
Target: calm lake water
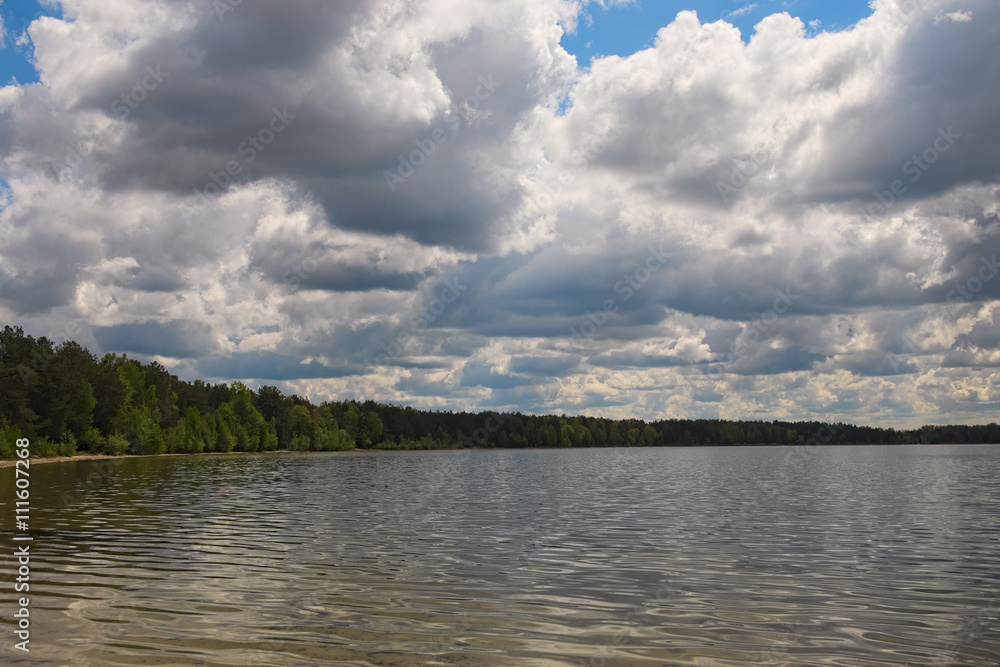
688	556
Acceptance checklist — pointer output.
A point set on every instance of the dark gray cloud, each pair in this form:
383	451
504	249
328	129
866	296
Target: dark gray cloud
985	335
419	386
301	270
878	364
157	279
633	359
265	365
545	366
178	339
482	375
331	112
41	267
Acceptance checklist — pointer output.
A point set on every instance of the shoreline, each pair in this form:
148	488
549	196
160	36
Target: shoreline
8	463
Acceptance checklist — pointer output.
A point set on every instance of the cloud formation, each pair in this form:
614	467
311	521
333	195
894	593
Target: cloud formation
435	204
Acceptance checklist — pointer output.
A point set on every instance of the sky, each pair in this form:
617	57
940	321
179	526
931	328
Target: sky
770	210
621	29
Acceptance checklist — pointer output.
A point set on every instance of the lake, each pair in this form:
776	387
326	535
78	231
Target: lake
673	556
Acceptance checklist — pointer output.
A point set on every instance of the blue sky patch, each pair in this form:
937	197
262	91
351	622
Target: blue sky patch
626	29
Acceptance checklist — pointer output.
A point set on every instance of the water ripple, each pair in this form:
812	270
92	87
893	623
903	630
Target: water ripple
858	557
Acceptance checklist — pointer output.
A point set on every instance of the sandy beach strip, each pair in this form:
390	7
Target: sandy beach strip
7	463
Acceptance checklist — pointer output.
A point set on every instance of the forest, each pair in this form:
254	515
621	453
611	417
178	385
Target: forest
67	401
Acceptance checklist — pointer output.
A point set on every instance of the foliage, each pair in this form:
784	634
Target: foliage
9	434
116	445
64	399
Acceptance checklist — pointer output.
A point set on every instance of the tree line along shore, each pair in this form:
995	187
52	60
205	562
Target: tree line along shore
69	402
